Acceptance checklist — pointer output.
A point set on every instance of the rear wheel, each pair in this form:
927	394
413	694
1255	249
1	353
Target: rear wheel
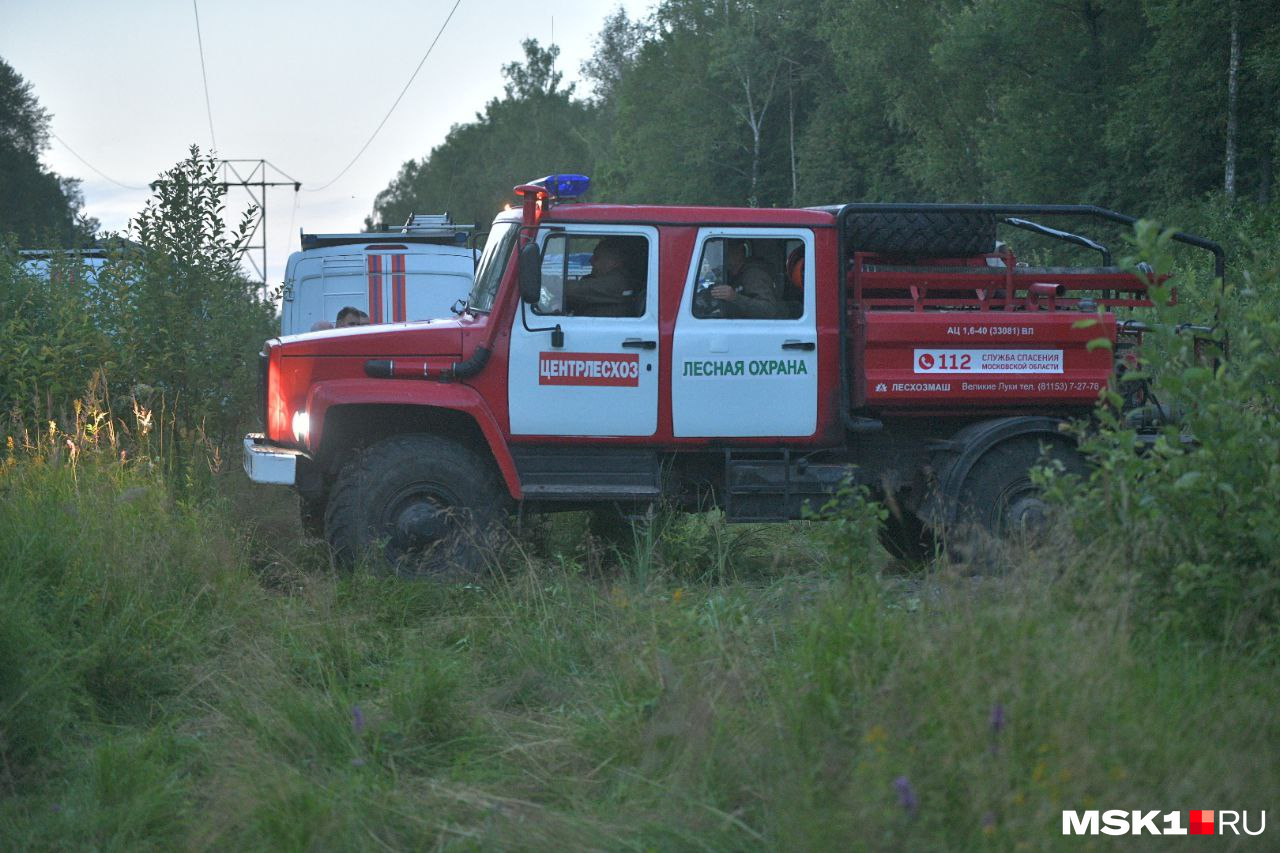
429	506
999	502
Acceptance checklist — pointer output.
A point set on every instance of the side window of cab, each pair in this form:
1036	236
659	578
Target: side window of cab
750	279
585	275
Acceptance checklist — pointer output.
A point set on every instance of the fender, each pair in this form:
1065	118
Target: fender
969	445
455	397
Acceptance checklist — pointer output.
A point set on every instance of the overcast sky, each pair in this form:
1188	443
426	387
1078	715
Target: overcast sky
301	84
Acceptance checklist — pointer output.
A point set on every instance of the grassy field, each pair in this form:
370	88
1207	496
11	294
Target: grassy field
181	672
181	669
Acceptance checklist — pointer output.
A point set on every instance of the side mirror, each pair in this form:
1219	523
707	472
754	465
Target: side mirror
531	273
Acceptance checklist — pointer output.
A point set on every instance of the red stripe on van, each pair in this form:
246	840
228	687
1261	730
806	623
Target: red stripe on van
375	288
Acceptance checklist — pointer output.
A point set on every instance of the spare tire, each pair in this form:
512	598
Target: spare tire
937	234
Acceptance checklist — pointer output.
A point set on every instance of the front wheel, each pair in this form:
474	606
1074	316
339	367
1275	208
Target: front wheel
906	537
427	505
311	515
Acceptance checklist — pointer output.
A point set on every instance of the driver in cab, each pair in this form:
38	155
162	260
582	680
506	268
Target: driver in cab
613	288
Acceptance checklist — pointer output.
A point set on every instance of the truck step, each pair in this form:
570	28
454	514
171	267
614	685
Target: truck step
588	474
573	492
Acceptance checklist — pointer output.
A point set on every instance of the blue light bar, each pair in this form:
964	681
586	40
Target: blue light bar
564	186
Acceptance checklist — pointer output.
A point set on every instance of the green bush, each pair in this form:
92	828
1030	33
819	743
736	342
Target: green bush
849	529
171	319
53	341
184	318
1192	524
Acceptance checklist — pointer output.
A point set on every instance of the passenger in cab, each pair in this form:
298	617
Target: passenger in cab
751	291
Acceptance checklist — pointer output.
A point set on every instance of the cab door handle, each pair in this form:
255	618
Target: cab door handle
804	345
636	343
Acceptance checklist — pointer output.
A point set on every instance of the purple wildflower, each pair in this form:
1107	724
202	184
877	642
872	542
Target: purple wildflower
357	719
906	796
997	724
989	822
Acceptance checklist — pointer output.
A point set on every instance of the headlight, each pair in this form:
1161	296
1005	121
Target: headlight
301	427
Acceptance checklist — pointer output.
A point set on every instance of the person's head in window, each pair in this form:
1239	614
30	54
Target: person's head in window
615	287
351	316
609	255
735	257
795	271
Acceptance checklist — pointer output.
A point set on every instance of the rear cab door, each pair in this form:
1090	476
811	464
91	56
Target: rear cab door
736	375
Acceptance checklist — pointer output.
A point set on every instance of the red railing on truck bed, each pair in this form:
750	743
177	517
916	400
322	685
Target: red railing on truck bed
991	282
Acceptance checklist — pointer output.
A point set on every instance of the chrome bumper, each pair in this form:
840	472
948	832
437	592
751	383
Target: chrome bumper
266	463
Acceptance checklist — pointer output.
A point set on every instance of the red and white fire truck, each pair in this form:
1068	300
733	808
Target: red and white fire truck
900	344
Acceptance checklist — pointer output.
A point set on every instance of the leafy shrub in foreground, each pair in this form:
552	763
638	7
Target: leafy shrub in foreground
184	317
170	311
1193	522
52	345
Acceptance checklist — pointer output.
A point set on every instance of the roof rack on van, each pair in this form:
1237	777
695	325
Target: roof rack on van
419	228
45	254
421	223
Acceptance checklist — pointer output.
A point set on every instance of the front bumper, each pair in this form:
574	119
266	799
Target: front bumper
267	463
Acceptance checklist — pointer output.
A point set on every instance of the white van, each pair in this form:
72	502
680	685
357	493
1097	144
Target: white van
416	273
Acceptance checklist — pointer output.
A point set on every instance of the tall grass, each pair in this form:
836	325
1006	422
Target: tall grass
179	668
179	672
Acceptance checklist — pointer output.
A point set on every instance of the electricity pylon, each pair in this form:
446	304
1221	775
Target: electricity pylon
256	176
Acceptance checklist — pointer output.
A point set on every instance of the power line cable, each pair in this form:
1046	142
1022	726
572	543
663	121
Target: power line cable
366	145
101	174
204	76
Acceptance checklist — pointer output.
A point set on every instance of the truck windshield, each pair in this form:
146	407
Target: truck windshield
493	263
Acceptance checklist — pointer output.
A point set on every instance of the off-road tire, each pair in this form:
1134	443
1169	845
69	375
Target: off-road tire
311	513
426	505
907	538
999	504
922	234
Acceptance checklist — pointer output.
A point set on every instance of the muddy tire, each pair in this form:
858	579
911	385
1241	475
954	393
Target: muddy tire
426	506
906	538
311	513
1000	505
922	234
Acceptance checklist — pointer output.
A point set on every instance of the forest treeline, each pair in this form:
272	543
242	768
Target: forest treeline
1152	106
37	206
